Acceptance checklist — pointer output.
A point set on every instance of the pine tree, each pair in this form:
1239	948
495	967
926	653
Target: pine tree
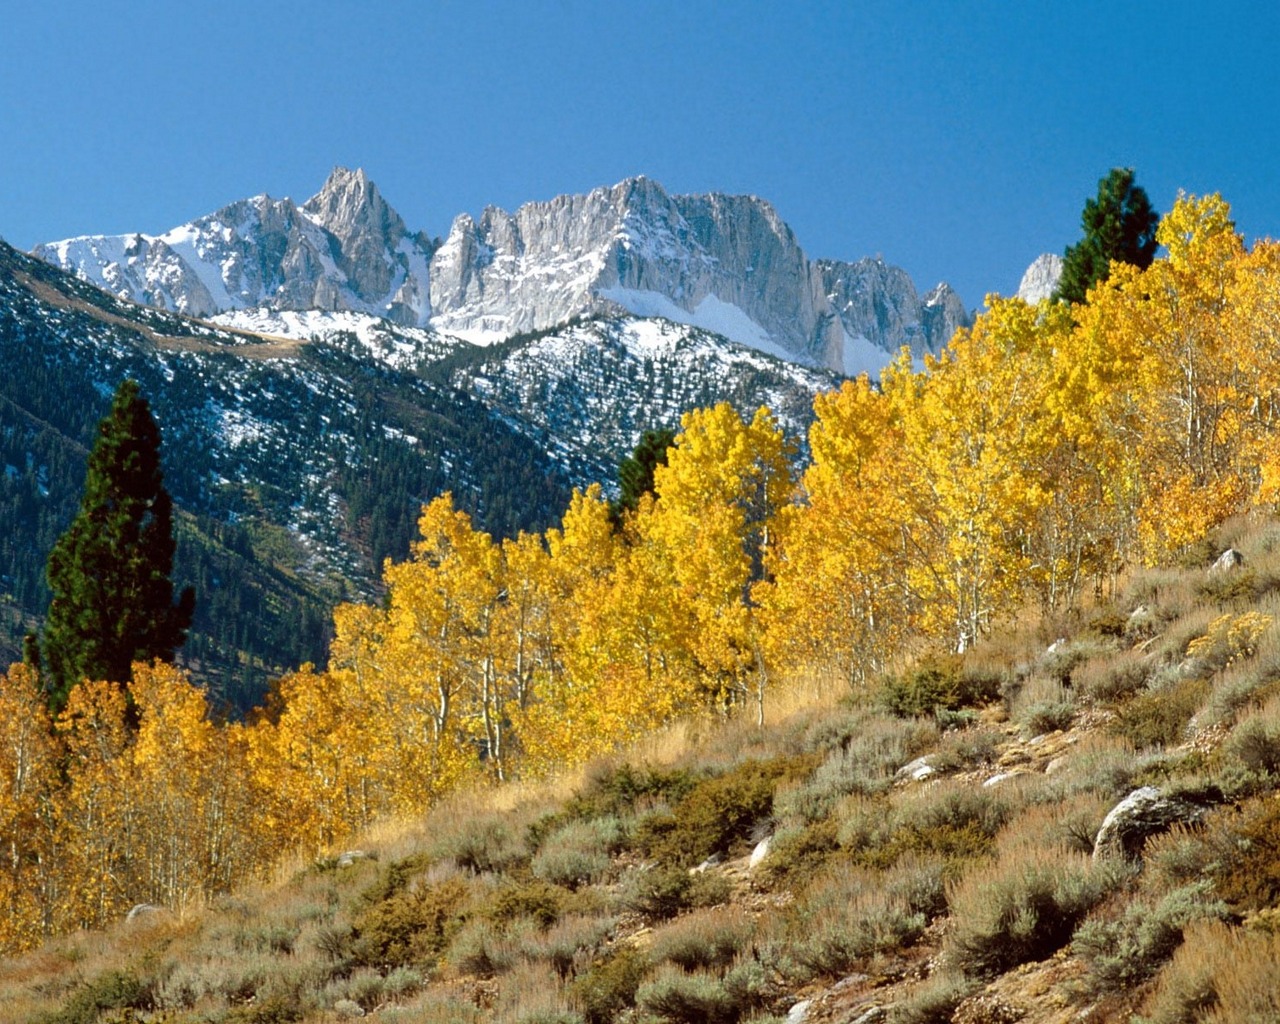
110	572
635	472
1119	224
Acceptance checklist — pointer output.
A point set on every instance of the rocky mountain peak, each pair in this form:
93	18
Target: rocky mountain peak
726	263
350	205
1041	278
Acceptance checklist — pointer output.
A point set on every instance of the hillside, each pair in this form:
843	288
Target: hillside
930	847
299	448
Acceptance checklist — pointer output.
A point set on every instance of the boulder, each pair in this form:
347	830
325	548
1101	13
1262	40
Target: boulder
917	770
1227	561
142	912
760	852
1146	812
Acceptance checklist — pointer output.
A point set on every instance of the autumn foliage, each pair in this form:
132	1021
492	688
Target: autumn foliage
1047	448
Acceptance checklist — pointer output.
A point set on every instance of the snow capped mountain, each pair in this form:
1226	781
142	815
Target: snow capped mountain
727	264
1041	278
345	249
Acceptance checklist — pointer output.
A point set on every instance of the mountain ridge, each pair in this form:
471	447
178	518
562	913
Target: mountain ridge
722	262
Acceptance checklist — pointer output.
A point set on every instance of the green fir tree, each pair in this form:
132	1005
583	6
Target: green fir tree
1119	224
109	573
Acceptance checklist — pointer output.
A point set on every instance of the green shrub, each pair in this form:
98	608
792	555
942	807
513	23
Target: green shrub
936	683
708	939
534	899
1160	717
863	763
718	815
1114	678
688	998
932	1001
616	792
1024	907
485	845
1127	949
114	990
658	893
1048	716
411	927
479	948
1255	742
571	943
795	855
849	915
609	987
1221	975
578	853
1246	871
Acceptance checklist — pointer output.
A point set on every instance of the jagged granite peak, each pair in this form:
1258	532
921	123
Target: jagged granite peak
1041	278
345	249
725	263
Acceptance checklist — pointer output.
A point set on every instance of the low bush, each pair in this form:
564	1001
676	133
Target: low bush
1255	742
1246	869
487	844
479	948
571	944
1127	948
538	901
1114	678
658	893
706	939
932	1001
1159	718
863	763
1023	907
609	986
113	990
410	928
938	684
617	792
1047	716
796	854
849	915
681	998
580	852
718	815
1219	974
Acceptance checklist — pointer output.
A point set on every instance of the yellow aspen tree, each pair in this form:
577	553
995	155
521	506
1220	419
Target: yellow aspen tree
194	791
719	497
28	782
838	598
303	761
974	440
442	625
98	808
1177	308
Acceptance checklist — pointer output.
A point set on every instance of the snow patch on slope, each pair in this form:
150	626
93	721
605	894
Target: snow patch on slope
711	314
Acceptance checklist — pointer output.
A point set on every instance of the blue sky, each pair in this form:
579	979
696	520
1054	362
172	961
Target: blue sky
956	139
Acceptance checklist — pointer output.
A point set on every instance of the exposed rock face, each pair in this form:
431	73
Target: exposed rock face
1226	562
1143	813
346	249
1041	278
728	264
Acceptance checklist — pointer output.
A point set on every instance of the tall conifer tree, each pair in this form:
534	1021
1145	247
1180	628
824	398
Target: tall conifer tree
1119	224
110	572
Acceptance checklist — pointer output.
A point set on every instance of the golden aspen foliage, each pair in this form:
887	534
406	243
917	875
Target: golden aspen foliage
719	498
839	599
98	808
28	782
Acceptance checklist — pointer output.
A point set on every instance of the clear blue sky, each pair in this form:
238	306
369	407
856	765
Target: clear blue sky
956	139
